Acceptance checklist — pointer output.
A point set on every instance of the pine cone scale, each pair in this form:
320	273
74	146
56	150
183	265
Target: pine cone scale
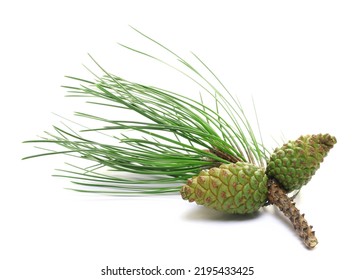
294	164
238	188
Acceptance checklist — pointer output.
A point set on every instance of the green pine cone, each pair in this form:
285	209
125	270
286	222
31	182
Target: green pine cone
237	188
294	164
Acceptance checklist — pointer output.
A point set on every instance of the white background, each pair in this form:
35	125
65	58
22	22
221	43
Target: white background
297	60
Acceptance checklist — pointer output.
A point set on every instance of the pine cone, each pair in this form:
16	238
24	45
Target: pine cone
294	164
237	188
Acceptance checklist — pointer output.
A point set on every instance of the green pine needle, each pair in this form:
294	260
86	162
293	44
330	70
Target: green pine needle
175	138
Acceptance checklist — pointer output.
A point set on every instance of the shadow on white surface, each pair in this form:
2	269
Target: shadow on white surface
206	214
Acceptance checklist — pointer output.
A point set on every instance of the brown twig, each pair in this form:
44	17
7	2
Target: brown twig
278	197
224	155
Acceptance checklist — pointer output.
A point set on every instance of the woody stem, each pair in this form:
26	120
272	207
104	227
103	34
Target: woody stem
278	197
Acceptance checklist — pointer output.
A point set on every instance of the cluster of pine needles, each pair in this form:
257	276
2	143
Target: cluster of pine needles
175	137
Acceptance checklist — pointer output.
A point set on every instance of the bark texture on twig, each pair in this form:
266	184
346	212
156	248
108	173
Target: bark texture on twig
278	197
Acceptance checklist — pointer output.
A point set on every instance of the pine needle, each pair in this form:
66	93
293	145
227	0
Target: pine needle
177	135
